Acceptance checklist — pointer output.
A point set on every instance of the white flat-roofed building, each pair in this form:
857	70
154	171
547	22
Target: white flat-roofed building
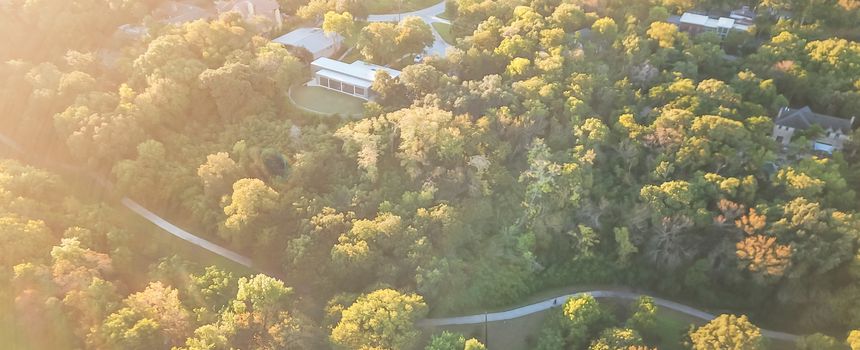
695	23
349	78
315	40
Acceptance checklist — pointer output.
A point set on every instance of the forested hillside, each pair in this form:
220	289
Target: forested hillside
559	142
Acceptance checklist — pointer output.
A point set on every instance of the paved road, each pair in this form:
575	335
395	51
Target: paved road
396	17
429	15
608	294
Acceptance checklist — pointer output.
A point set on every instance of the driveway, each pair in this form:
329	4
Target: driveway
429	16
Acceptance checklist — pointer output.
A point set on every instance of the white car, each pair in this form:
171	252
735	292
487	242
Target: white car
418	58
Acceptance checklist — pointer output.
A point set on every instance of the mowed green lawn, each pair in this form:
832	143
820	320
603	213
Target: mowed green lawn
381	7
324	101
444	30
516	334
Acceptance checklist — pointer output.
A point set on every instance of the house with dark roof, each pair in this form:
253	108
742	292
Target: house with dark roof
267	10
835	131
179	12
743	16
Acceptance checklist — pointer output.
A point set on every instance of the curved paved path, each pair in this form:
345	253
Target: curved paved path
185	235
608	294
429	16
145	213
472	319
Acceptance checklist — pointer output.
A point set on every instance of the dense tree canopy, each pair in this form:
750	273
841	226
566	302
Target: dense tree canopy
557	143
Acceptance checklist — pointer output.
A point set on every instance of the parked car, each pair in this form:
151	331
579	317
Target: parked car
419	58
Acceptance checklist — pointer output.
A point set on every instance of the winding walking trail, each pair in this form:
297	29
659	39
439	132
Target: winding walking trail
185	235
460	320
141	211
600	294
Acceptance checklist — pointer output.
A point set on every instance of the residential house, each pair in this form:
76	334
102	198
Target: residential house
743	16
177	12
315	40
835	131
353	79
695	23
269	10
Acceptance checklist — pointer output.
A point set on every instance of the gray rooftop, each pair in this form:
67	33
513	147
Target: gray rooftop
358	69
804	118
312	39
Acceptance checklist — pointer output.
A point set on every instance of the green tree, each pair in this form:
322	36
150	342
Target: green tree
375	42
583	318
213	289
144	173
605	31
249	204
819	341
727	332
421	79
666	34
149	319
644	318
22	240
446	341
413	35
854	340
381	319
343	24
616	339
474	344
569	17
257	318
218	174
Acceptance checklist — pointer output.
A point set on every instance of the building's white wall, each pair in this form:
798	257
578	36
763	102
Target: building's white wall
329	51
837	140
784	132
365	96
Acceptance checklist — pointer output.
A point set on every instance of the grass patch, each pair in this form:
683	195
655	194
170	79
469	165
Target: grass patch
671	327
444	30
517	334
161	244
352	56
383	7
325	101
446	16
